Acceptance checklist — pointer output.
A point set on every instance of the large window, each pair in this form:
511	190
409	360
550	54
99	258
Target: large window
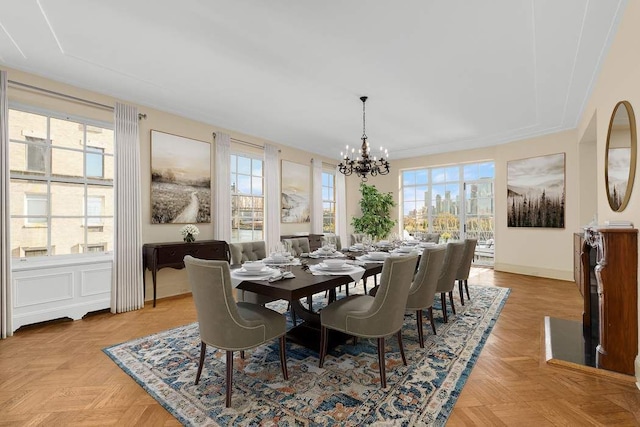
328	202
247	198
61	184
456	201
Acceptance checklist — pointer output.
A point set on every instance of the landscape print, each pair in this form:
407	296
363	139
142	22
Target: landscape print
618	166
180	179
536	192
296	189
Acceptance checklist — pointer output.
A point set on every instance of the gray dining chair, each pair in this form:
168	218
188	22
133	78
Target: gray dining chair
298	245
357	238
249	251
373	317
423	288
225	324
332	239
447	279
462	275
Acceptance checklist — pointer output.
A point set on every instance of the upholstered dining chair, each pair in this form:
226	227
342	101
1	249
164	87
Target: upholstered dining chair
357	238
228	325
249	251
423	288
332	239
373	317
462	275
447	279
429	237
298	245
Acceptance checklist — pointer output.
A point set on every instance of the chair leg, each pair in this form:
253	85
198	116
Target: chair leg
453	307
364	283
420	332
310	302
443	301
323	344
203	351
466	287
433	325
383	376
241	354
461	292
283	357
404	359
229	377
346	290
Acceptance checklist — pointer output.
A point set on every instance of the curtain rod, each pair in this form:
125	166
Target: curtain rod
241	142
65	96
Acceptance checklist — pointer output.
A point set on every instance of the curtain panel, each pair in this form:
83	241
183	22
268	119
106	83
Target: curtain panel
127	293
222	219
341	207
272	194
316	216
6	306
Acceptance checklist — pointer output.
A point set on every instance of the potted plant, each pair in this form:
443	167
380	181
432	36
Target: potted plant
376	213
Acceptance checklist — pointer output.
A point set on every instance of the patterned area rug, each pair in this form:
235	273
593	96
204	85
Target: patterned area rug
345	392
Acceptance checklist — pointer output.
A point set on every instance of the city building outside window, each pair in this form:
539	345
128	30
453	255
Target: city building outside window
247	198
61	184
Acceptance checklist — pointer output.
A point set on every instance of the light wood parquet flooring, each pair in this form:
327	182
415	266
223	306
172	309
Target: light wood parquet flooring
56	373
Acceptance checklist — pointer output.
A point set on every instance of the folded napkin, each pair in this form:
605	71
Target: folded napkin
282	276
355	273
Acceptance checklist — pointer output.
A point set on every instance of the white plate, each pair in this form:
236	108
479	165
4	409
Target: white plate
323	266
264	272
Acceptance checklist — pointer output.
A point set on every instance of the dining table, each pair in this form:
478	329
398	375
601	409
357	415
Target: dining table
307	281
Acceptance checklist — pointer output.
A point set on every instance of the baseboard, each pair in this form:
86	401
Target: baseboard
638	371
535	271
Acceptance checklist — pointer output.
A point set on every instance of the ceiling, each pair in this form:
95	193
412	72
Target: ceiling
440	75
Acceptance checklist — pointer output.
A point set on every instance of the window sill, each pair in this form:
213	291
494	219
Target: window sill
19	264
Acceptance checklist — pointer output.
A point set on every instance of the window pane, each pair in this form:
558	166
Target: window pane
487	170
68	134
408	178
437	175
101	235
234	183
256	167
108	169
24	237
409	193
470	172
256	183
67	236
234	161
20	190
244	165
422	177
95	163
101	138
67	163
244	184
22	125
67	199
36	158
452	174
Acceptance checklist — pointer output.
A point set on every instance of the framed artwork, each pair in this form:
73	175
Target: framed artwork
536	191
296	190
180	179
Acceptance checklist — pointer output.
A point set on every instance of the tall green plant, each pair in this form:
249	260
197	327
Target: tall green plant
376	212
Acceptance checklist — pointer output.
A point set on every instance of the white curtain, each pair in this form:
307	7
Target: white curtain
272	194
222	228
341	208
127	293
316	215
6	329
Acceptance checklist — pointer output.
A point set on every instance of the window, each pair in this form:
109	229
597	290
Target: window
247	198
328	202
456	201
61	186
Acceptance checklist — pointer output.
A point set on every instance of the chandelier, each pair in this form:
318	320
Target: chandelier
362	163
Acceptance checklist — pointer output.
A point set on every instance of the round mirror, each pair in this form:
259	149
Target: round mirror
620	156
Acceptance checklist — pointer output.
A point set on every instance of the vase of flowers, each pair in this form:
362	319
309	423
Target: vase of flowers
189	233
446	236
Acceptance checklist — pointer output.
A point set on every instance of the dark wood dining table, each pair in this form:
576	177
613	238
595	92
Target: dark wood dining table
305	284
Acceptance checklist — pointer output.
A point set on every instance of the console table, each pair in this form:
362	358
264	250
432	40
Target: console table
160	255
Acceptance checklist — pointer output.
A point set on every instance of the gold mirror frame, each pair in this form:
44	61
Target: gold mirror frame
632	160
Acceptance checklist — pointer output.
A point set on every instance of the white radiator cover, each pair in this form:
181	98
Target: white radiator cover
48	289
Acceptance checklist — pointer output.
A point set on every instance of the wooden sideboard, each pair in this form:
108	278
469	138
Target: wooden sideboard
611	312
160	255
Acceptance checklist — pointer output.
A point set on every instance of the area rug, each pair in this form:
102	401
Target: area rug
346	391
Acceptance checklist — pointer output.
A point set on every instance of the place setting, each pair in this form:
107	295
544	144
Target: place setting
326	251
337	267
257	270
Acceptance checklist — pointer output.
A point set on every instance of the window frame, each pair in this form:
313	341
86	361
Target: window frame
236	232
49	179
331	201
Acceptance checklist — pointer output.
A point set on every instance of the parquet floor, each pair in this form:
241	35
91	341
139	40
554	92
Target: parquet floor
56	374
